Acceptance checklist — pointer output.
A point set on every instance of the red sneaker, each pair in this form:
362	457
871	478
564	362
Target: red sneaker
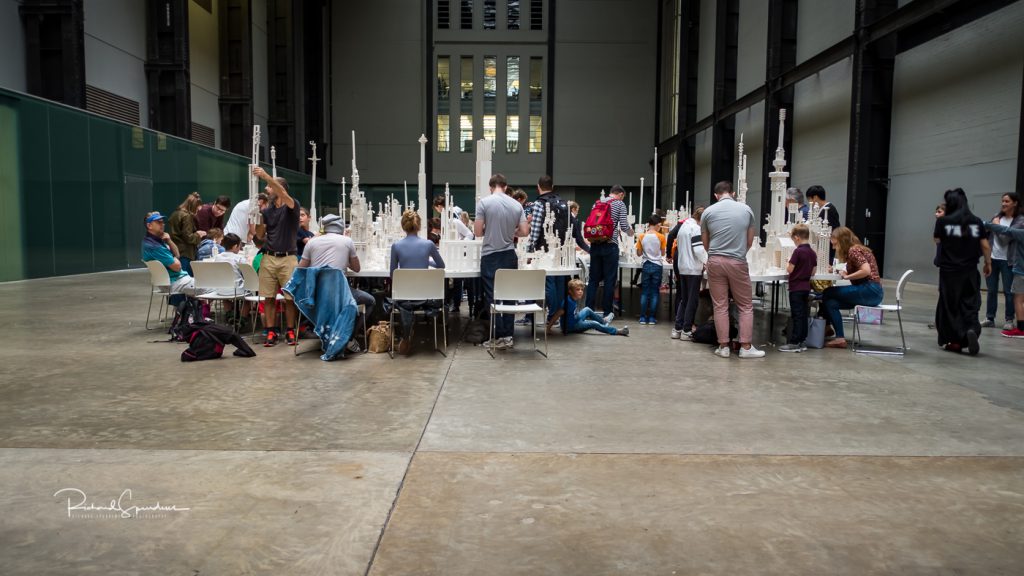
1014	333
271	339
290	338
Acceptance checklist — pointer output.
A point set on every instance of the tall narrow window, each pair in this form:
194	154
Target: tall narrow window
490	14
513	14
490	98
466	133
443	103
536	104
512	105
444	14
466	105
536	14
466	22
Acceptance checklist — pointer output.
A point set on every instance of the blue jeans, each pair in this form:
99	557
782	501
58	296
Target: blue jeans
489	266
650	289
587	319
186	265
1000	269
554	294
839	298
798	308
604	265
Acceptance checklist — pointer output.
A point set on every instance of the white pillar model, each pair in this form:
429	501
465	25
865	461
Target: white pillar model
483	168
640	217
421	197
654	187
273	161
341	206
777	218
741	178
254	181
312	189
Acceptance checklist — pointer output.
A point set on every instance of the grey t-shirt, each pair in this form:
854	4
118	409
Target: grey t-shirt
502	215
331	249
727	222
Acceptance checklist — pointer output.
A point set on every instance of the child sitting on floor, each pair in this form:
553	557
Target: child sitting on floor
583	319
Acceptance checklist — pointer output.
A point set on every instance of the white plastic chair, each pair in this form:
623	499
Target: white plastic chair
418	284
512	285
214	277
858	345
160	285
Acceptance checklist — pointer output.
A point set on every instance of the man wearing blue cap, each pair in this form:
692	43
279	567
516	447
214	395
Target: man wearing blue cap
157	245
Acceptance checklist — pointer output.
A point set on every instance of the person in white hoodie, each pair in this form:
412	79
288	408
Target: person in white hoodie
689	260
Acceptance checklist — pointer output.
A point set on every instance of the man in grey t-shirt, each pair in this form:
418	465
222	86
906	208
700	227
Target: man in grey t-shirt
727	232
499	219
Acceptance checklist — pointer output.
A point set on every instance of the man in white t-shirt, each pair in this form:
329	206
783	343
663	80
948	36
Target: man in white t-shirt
238	222
335	250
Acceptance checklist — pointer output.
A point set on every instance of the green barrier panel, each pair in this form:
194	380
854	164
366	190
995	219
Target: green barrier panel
74	187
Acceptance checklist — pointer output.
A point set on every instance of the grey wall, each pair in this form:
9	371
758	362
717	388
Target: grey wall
204	66
956	123
706	59
12	46
752	55
377	83
822	23
821	132
605	56
115	49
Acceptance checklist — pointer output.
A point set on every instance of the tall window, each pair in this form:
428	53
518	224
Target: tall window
443	103
512	105
536	104
466	105
513	14
444	15
490	98
670	69
536	14
490	14
466	22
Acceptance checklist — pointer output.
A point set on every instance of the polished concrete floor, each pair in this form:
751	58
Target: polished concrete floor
638	455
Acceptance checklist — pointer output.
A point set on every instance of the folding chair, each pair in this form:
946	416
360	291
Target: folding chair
216	276
512	285
160	285
858	345
417	284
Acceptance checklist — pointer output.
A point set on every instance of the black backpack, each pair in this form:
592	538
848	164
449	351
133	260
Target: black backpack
188	312
560	212
206	341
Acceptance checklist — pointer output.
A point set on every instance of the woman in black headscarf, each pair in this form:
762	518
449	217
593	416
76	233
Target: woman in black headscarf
962	240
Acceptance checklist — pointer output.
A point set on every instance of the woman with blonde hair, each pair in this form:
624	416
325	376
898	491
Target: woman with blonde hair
183	230
865	287
413	252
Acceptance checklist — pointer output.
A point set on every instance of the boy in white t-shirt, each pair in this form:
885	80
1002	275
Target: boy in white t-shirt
651	246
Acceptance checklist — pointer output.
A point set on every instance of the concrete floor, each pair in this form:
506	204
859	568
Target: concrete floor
637	455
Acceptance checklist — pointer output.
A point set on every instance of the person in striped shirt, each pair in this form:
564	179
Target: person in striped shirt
604	256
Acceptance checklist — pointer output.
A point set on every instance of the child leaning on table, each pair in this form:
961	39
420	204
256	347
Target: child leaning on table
801	268
581	320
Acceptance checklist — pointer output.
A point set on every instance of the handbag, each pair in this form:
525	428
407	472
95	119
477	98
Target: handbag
815	333
379	337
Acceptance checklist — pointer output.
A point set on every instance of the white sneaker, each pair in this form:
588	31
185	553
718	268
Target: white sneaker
751	352
722	351
675	334
353	346
609	317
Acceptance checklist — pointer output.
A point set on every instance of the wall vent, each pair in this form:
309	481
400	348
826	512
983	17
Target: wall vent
204	135
111	105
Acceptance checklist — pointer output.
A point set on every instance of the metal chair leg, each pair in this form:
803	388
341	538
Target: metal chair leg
391	326
491	349
150	309
899	317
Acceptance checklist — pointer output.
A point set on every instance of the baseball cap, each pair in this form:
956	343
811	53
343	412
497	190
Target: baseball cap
153	217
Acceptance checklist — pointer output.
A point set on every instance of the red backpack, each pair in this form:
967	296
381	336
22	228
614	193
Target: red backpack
599	226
